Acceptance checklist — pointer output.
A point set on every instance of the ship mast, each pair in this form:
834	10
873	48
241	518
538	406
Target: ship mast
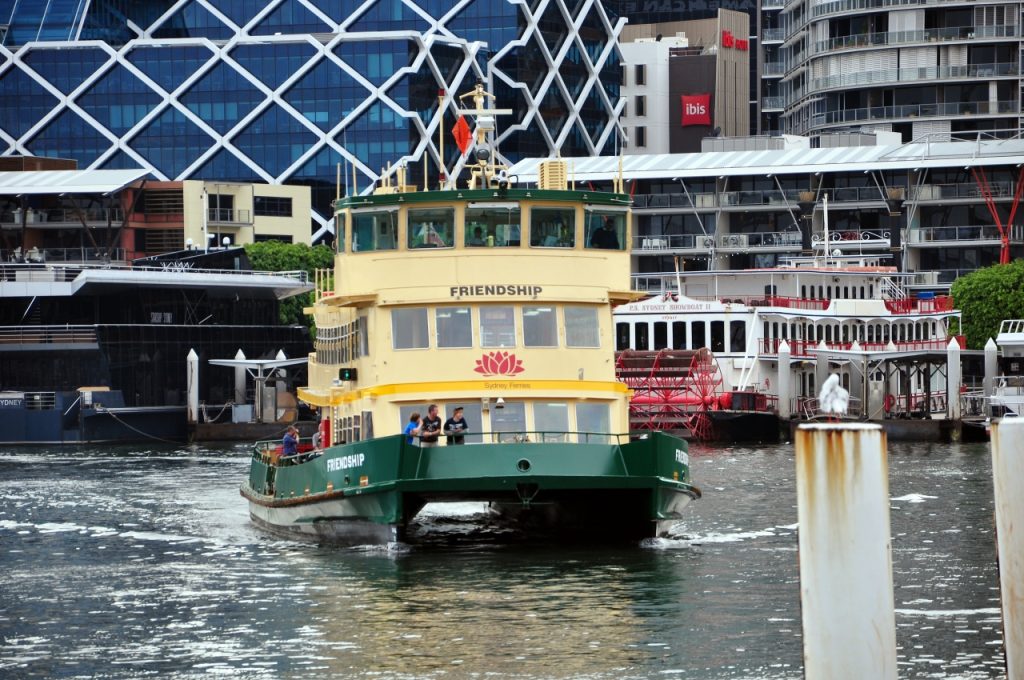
486	172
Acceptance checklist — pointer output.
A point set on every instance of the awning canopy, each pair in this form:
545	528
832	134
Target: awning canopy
914	156
67	181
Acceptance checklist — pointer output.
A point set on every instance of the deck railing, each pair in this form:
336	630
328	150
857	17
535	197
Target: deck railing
61	273
46	335
809	348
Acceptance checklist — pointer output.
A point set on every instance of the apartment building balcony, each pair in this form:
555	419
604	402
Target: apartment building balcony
987	234
768	197
675	200
915	75
963	191
70	255
773	4
892	38
229	216
773	35
773	103
60	218
909	111
773	69
764	241
856	6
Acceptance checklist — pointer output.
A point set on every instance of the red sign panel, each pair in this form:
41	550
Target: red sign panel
728	40
696	109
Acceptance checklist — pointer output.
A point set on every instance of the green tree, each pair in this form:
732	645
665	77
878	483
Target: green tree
986	297
276	256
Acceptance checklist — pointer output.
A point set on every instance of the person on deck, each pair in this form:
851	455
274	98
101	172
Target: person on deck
430	431
412	429
605	237
290	442
455	427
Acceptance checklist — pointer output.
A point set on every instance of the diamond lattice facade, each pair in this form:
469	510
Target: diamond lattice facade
282	91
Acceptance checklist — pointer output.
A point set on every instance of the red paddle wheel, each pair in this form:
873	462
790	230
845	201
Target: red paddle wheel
673	390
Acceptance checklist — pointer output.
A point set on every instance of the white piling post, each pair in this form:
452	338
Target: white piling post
1008	478
846	591
281	372
239	378
820	365
192	382
953	380
784	380
991	366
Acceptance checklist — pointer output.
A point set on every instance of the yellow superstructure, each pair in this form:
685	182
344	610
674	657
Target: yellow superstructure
496	300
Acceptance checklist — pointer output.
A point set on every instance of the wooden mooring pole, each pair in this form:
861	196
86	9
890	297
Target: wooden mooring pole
846	588
1008	480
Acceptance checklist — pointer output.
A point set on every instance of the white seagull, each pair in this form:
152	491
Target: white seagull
833	398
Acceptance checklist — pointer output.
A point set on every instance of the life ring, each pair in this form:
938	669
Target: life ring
890	402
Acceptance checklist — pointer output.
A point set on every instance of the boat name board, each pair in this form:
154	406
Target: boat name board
345	462
494	289
677	307
12	400
508	386
682	457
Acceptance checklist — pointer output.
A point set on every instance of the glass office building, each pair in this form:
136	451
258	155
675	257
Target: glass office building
282	91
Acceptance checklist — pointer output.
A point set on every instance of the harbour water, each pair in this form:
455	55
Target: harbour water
140	562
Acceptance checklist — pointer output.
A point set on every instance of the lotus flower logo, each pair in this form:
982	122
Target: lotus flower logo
499	363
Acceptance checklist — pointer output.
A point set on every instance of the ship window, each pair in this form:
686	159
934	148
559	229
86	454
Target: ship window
509	423
593	421
717	336
364	336
605	230
738	336
553	227
698	339
540	328
497	327
621	336
678	335
432	228
454	327
641	340
374	231
581	327
492	226
551	421
409	328
660	334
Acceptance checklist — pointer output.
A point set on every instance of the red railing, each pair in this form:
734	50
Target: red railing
940	303
809	347
770	301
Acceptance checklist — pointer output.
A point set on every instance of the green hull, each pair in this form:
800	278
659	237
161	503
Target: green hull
370	491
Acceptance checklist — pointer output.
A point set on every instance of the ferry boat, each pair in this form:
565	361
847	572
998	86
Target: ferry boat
703	354
496	300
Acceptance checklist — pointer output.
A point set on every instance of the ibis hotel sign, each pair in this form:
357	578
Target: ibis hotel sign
696	109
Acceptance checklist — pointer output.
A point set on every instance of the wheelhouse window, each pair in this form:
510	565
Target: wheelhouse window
551	420
454	327
432	228
593	422
553	227
509	423
374	230
540	328
605	230
581	327
492	226
497	326
409	328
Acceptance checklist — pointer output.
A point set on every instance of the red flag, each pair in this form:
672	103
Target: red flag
462	134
